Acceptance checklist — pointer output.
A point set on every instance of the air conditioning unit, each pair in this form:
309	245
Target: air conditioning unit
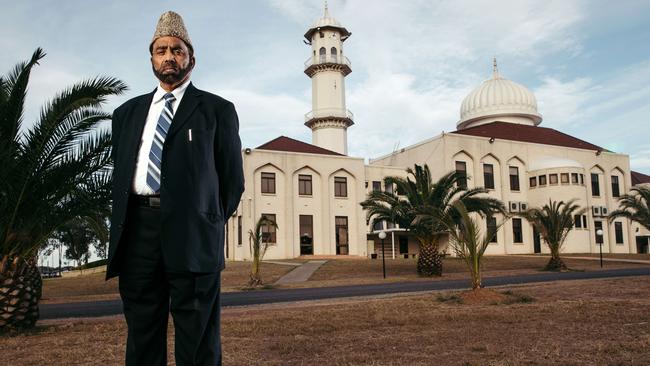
523	206
604	211
513	206
595	211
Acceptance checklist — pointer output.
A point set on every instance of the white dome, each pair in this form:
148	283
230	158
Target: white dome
550	162
499	99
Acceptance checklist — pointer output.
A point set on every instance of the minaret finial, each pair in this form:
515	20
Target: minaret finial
495	70
327	13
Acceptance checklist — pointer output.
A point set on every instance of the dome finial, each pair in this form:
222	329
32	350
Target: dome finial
495	70
327	13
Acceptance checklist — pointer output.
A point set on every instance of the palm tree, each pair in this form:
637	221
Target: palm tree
415	202
634	206
259	243
53	172
554	221
467	242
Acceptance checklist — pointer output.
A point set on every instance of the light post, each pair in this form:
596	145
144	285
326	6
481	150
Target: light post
599	241
382	236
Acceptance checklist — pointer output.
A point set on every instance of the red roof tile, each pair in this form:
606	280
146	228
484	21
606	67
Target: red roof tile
525	133
284	143
639	178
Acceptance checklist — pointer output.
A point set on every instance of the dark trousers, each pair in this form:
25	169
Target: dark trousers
149	292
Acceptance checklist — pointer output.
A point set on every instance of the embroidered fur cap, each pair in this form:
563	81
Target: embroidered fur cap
171	24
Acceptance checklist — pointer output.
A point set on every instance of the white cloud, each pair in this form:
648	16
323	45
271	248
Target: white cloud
562	103
263	117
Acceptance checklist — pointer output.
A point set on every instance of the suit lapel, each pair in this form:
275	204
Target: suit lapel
185	109
139	118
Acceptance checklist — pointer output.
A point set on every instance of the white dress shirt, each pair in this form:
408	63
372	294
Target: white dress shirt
140	178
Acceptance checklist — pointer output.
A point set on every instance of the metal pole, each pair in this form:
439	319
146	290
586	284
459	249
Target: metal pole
601	254
383	257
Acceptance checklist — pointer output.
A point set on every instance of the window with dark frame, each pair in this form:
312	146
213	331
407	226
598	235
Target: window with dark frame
268	182
584	221
582	179
564	178
533	182
514	178
595	185
461	169
488	176
615	188
517	236
574	178
577	221
340	187
388	188
376	186
492	227
618	232
552	178
542	180
378	225
304	184
268	231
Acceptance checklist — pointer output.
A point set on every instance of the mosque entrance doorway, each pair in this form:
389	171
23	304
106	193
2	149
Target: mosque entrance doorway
341	229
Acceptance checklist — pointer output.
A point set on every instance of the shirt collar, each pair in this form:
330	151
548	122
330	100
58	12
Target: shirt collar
178	92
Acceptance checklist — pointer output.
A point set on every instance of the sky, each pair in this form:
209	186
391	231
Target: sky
413	61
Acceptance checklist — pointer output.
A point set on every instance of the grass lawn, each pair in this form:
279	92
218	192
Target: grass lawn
93	286
336	272
571	323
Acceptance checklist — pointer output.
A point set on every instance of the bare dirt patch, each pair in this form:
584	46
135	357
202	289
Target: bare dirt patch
588	322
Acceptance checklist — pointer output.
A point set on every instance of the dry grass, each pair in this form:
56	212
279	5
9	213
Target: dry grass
348	272
570	323
336	272
92	287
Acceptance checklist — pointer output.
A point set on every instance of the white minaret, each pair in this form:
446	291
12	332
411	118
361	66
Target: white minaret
327	68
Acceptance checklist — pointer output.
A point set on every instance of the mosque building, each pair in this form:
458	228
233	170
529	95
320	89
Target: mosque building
313	190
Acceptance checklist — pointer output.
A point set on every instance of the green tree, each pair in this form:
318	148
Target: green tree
52	172
554	221
77	236
414	206
634	206
258	244
467	241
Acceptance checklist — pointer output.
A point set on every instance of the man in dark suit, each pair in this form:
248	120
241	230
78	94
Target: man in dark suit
177	179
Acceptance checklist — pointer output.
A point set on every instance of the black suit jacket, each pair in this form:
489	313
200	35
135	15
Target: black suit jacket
202	180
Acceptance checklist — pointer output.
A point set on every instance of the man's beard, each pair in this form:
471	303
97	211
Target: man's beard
172	78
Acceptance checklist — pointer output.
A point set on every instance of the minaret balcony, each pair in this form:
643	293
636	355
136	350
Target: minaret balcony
329	117
329	113
328	62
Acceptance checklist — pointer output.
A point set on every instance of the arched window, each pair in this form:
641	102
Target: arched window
323	53
334	53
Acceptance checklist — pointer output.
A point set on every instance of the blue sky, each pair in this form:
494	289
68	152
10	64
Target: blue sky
413	62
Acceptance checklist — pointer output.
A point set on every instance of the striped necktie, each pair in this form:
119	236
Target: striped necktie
155	154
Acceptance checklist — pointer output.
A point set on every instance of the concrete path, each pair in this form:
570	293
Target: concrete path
114	307
292	264
300	274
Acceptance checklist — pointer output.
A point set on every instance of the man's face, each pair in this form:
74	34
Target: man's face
171	61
